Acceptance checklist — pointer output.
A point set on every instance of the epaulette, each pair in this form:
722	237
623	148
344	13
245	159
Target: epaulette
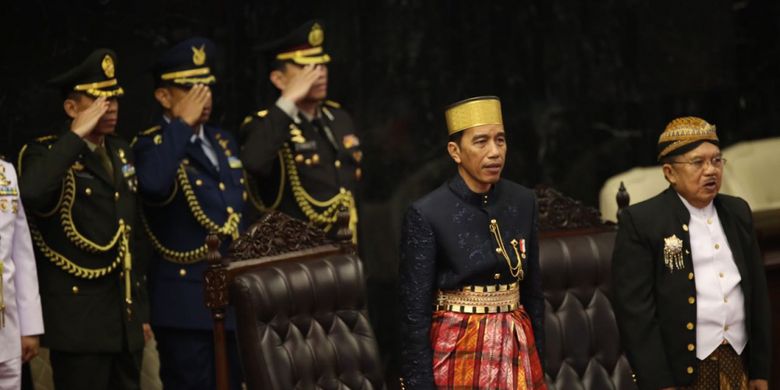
46	139
150	130
333	104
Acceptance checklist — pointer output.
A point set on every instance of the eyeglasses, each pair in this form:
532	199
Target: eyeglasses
699	163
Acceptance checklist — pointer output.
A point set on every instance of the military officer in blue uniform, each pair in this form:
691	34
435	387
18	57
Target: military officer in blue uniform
191	181
303	152
80	188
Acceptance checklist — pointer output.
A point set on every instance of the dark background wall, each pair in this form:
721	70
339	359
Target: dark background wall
586	86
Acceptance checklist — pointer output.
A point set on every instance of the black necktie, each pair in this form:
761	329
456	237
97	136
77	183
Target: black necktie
322	128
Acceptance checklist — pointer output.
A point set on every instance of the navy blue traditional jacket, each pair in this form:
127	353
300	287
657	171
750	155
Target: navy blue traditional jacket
446	244
186	196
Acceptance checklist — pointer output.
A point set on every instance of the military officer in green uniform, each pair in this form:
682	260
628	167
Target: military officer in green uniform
303	152
80	186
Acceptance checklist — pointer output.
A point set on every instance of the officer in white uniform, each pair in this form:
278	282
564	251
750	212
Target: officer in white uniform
21	321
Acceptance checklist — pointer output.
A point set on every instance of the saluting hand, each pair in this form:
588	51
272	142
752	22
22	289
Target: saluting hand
298	86
190	107
85	121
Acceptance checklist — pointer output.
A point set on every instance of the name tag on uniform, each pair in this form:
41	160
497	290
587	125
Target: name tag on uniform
234	162
8	191
128	170
309	146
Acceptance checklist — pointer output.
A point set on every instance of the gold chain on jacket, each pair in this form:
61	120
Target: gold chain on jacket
229	228
515	270
306	202
74	269
66	217
181	257
255	199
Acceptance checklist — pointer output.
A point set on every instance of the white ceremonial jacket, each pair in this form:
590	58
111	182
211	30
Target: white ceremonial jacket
22	314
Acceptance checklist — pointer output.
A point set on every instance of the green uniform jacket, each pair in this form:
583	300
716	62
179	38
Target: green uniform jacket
82	223
656	308
299	170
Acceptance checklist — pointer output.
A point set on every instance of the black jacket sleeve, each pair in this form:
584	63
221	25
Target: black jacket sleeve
261	139
635	307
417	275
531	293
42	167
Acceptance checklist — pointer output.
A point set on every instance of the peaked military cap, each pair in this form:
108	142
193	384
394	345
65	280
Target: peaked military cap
473	112
684	134
303	46
186	64
95	76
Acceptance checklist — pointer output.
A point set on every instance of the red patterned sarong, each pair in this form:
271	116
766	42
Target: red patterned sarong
485	351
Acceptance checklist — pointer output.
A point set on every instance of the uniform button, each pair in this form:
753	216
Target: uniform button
717	246
116	196
315	158
241	180
198	182
497	276
245	196
685	227
230	210
689	326
221	186
709	221
690	275
88	191
307	161
75	290
720	274
726	328
689	370
498	250
725	300
182	272
299	158
691	300
358	173
337	163
691	347
157	139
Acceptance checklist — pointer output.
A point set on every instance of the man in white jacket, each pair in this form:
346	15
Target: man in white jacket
21	321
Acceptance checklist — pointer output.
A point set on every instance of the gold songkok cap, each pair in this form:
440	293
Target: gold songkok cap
473	112
683	135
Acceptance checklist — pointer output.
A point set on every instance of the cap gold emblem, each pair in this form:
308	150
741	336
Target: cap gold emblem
199	55
316	35
108	66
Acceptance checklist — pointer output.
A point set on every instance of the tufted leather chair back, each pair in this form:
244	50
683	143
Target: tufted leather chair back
302	324
582	343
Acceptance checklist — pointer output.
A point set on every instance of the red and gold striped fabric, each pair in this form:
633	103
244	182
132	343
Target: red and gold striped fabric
485	351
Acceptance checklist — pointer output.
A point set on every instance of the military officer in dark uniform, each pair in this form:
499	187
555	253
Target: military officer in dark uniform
471	295
192	183
303	151
690	294
81	188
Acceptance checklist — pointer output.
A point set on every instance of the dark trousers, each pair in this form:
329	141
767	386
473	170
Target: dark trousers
187	359
96	371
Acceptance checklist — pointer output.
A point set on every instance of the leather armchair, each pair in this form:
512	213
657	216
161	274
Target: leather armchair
582	344
299	300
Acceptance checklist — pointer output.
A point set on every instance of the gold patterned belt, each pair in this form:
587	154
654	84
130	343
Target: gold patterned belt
497	298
